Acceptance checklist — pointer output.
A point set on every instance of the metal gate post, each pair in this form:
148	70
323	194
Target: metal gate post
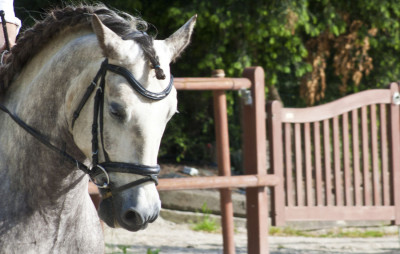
224	165
254	162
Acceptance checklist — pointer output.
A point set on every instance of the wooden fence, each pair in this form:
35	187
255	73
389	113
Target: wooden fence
339	161
254	147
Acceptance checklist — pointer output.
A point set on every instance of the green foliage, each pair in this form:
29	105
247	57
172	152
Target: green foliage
190	135
234	34
287	231
150	251
122	249
207	223
332	233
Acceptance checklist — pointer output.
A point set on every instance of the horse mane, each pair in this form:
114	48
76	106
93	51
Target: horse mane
33	40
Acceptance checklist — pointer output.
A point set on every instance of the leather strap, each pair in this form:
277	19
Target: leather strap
44	140
136	84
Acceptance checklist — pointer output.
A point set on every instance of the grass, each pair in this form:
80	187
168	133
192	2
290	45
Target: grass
123	249
150	251
207	223
286	231
354	234
332	233
210	225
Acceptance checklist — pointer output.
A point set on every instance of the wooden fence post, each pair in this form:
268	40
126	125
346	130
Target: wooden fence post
276	161
254	162
395	151
224	165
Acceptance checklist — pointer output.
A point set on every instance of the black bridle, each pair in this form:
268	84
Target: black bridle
104	168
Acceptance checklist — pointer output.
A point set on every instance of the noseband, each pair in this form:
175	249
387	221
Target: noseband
104	168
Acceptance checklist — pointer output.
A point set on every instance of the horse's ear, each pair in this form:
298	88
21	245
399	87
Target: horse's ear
109	41
178	41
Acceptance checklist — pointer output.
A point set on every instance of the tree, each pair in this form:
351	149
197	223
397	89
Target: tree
312	51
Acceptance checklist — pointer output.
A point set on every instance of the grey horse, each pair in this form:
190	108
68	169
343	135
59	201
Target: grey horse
54	137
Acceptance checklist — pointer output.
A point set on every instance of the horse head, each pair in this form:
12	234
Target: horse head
131	121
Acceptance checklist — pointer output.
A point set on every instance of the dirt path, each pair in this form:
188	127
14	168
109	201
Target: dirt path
174	238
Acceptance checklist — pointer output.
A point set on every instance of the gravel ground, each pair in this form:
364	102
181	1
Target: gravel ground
172	238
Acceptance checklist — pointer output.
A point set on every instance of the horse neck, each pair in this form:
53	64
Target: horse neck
37	96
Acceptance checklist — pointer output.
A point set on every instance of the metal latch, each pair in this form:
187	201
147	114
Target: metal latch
396	98
246	96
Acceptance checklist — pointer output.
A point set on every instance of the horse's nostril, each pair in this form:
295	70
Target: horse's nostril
131	217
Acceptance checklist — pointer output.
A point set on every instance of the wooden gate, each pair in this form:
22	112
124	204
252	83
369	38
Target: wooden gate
339	161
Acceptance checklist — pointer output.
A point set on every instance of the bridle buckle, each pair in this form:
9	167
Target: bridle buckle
93	180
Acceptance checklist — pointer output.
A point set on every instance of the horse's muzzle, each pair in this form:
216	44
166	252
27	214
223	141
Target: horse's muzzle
128	213
134	221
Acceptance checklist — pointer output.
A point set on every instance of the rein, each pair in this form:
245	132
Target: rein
104	168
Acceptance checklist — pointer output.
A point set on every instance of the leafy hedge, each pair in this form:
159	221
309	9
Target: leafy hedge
312	51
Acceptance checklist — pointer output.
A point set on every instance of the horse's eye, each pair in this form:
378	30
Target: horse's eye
117	111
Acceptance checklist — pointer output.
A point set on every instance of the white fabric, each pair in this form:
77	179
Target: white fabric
8	7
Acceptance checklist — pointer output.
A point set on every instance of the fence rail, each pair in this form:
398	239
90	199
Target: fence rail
217	182
213	84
